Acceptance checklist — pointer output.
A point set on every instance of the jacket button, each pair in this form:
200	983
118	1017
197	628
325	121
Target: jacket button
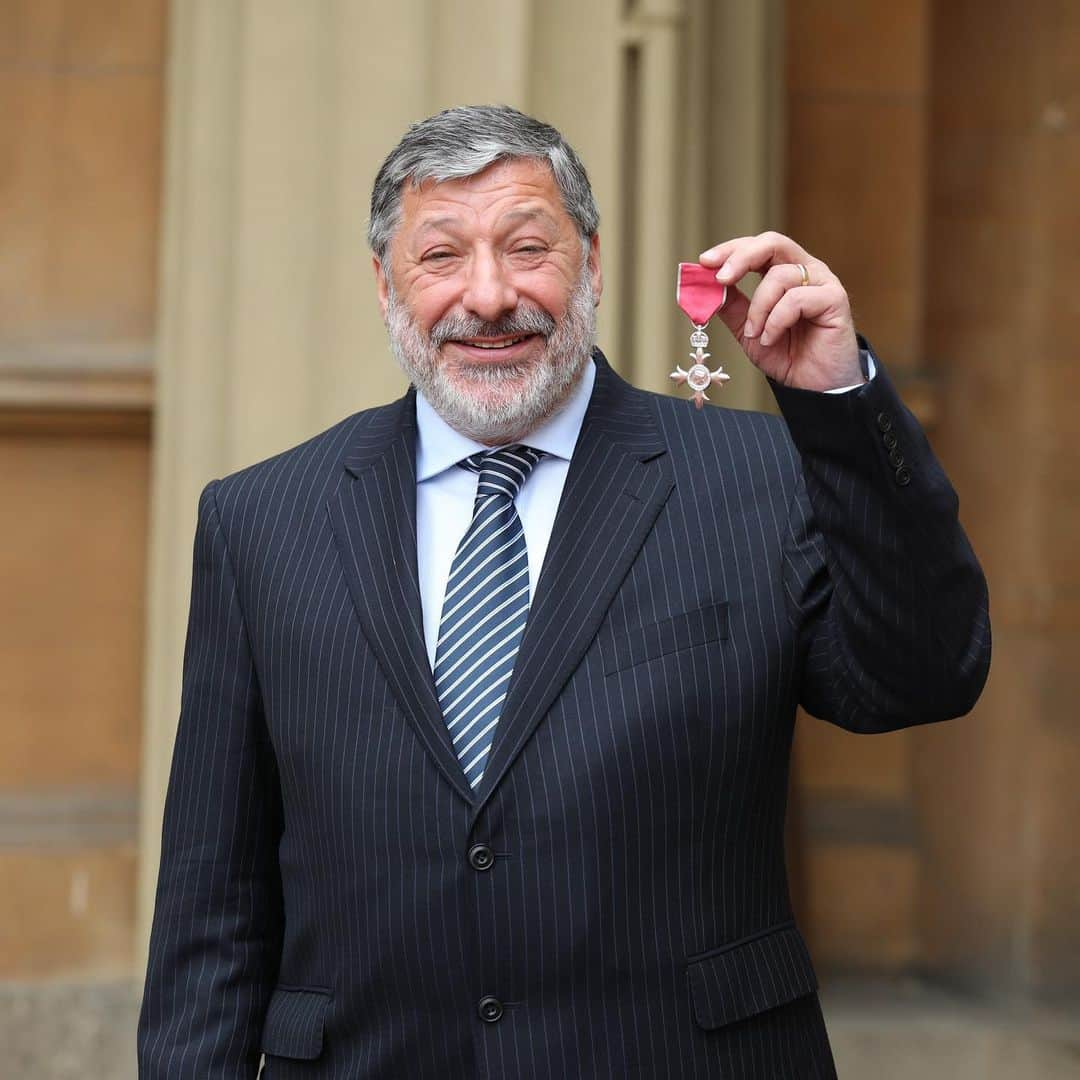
490	1009
884	421
481	857
889	439
896	459
903	476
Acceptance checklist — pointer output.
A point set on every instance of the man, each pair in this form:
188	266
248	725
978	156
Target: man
489	692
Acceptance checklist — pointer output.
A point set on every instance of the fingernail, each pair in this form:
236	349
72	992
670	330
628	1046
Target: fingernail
764	339
748	330
723	273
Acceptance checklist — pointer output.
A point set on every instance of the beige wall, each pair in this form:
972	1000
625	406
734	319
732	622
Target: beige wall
80	128
922	141
277	115
933	162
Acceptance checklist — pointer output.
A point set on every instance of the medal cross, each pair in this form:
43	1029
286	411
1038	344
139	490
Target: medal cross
699	378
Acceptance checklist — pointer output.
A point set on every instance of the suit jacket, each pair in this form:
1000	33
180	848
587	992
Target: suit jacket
612	900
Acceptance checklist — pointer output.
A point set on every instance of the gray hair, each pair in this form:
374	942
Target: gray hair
462	142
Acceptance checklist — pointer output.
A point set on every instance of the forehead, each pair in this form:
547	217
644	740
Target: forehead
518	187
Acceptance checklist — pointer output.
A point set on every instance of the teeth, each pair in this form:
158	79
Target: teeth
496	345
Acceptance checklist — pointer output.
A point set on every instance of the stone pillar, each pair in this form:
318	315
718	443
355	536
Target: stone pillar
1001	802
858	101
279	114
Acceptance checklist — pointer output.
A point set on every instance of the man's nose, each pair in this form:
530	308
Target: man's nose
489	293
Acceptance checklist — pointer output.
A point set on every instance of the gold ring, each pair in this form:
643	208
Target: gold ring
805	275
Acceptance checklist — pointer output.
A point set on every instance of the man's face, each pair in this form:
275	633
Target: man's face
489	298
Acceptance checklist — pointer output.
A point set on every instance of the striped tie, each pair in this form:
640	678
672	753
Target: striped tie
485	608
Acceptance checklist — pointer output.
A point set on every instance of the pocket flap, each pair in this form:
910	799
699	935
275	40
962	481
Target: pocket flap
681	631
294	1023
749	976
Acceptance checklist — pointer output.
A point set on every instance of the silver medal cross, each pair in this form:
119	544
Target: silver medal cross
699	378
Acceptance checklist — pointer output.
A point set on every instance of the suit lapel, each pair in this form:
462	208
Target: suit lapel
374	523
619	479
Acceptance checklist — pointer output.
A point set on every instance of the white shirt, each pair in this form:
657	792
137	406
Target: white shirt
445	494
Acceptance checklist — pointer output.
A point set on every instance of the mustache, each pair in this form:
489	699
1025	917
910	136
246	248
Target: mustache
524	320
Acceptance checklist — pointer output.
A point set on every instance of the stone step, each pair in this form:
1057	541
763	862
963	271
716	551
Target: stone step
908	1030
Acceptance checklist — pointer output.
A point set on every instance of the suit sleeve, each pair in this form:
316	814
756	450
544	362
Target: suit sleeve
216	936
889	600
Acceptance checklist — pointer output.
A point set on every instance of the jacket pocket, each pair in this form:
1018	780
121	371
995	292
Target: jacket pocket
681	631
294	1022
747	977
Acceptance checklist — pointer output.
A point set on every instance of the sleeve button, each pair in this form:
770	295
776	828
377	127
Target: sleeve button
896	459
903	476
884	421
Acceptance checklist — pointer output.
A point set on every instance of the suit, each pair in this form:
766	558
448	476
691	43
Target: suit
611	901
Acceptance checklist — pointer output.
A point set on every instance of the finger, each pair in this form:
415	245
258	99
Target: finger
733	313
759	253
716	256
804	302
773	285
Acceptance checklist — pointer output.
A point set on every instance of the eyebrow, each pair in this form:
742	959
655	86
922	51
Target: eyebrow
511	219
531	214
446	221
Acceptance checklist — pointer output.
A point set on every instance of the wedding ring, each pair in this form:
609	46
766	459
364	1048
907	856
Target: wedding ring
805	275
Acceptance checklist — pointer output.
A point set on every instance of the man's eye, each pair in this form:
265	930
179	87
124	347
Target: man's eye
529	249
438	256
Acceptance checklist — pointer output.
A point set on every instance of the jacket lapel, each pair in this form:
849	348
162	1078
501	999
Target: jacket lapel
373	516
619	479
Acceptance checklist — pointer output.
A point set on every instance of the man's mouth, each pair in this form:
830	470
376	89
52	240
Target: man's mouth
492	345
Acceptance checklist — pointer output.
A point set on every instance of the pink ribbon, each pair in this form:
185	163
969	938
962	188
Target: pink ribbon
698	292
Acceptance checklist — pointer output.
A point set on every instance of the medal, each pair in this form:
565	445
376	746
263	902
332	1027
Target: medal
700	296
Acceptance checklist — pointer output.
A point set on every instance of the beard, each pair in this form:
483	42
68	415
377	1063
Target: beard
494	402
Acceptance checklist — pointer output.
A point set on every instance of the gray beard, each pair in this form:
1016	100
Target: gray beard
489	404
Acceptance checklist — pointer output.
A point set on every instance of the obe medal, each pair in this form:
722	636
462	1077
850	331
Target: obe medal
700	296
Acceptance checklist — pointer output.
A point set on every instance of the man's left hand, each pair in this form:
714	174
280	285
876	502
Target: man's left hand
798	327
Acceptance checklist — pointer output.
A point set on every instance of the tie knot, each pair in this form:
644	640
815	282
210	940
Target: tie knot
503	471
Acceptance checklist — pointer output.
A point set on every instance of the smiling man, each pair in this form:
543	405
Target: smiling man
489	692
496	315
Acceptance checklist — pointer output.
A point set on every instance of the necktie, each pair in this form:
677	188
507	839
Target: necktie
485	607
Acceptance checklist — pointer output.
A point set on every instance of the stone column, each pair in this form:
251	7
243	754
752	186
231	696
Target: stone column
858	90
1001	805
278	115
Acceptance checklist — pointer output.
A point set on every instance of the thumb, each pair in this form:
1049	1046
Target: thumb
733	313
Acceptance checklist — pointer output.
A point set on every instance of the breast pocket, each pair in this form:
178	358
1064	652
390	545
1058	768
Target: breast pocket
683	631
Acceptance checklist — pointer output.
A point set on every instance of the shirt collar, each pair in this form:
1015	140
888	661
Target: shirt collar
439	446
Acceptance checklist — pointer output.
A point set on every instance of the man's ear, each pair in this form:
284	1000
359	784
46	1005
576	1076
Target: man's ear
596	274
382	286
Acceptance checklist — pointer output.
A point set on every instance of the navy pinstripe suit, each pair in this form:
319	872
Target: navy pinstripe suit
333	894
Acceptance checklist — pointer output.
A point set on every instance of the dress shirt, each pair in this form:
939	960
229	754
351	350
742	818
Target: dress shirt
445	494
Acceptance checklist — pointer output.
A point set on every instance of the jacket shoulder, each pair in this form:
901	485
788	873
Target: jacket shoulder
310	470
